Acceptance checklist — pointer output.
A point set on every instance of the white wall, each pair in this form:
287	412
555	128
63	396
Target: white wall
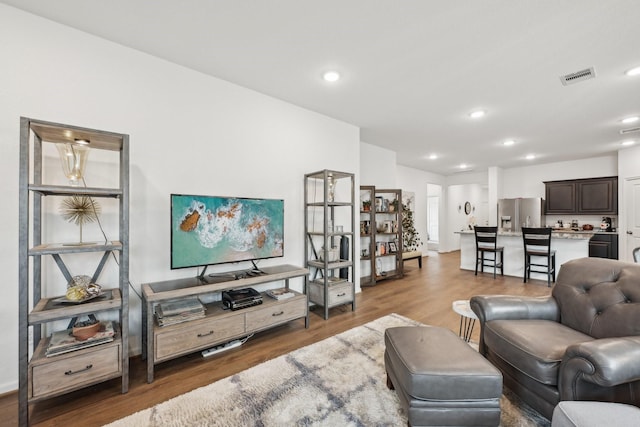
529	181
189	133
377	166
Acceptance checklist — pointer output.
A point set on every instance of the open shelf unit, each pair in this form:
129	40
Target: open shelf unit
41	377
329	238
380	235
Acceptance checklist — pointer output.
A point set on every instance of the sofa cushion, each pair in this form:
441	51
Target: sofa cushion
534	347
599	297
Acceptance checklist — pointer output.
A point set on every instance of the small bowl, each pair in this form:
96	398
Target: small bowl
587	227
83	333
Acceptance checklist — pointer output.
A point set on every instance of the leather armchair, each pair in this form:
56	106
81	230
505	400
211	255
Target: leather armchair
580	343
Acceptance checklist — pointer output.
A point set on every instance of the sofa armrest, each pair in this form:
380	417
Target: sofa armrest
509	307
606	362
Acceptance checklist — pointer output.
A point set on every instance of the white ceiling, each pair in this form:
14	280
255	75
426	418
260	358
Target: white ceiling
412	69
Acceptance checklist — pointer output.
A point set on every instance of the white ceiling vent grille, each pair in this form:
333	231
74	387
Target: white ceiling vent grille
578	76
630	130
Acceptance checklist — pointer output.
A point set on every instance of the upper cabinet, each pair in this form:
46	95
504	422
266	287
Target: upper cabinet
593	196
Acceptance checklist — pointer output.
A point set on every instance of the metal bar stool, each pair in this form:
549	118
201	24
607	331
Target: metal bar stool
487	242
537	243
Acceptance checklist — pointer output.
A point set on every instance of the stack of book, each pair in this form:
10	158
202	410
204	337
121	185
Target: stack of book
178	311
64	342
280	293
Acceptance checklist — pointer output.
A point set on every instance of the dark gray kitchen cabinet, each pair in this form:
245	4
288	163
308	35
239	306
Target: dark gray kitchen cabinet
593	196
560	197
604	245
598	196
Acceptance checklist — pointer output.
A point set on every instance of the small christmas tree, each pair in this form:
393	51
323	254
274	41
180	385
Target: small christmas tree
410	237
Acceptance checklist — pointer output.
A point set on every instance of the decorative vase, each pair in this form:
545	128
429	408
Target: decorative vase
74	161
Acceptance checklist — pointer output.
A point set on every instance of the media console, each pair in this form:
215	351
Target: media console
160	344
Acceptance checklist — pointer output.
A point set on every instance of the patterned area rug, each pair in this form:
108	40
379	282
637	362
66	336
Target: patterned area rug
339	381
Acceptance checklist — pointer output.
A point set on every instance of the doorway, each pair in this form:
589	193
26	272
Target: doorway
632	212
434	193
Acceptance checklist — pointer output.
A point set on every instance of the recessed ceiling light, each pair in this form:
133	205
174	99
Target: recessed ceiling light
630	119
331	76
627	143
508	142
477	114
633	72
530	156
433	156
463	165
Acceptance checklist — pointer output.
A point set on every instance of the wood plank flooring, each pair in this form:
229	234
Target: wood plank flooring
423	294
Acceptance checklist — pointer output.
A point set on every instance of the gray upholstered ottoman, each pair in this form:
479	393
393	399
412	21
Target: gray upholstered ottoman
440	379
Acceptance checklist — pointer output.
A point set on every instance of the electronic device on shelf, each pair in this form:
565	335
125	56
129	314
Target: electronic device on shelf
235	299
211	230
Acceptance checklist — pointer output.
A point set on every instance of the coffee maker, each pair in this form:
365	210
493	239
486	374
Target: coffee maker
606	224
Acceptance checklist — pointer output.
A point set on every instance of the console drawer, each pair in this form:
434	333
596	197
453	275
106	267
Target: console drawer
65	372
276	312
339	293
190	336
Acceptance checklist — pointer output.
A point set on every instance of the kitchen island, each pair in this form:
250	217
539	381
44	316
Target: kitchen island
567	244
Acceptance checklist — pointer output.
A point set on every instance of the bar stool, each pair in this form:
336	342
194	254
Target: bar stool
537	243
487	241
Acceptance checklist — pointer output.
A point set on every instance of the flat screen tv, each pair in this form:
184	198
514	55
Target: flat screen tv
210	230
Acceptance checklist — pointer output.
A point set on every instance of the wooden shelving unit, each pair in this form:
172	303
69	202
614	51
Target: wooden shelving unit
42	377
329	238
383	237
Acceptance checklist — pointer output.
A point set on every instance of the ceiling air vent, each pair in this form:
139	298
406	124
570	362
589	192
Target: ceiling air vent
630	130
578	76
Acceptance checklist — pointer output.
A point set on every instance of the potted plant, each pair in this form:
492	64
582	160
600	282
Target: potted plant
393	206
410	237
366	205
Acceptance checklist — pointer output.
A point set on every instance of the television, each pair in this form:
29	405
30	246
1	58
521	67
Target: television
211	230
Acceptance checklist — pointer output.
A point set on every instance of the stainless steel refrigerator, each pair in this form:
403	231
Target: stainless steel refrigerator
513	214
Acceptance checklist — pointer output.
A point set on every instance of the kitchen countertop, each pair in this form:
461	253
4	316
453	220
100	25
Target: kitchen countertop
567	244
556	233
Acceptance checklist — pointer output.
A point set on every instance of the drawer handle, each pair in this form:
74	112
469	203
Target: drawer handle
205	335
277	314
77	372
342	294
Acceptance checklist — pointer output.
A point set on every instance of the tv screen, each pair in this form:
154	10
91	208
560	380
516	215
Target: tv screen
208	230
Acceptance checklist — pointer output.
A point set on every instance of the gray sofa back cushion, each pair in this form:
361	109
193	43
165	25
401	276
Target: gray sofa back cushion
599	297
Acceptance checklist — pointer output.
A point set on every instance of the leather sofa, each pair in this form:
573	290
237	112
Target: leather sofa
580	343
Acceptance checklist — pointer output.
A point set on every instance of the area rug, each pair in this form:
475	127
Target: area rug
339	381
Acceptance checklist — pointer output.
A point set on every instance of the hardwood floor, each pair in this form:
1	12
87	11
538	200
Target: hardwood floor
423	294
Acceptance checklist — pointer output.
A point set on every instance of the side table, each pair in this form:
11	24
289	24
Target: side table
467	318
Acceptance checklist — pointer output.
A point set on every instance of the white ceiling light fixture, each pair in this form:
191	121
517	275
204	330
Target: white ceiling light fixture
633	72
632	119
331	76
477	114
463	166
433	156
509	142
628	142
530	156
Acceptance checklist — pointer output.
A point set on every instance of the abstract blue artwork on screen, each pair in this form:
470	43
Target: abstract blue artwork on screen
208	230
